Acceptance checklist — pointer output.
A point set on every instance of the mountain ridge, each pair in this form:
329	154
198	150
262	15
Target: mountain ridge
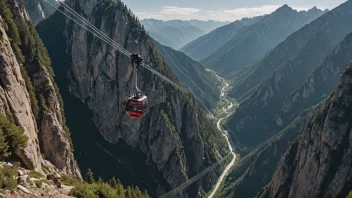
251	43
205	45
177	33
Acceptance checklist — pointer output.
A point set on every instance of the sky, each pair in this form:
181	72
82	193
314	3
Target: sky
221	10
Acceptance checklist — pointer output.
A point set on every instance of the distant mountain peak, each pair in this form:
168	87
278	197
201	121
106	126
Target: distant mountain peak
315	9
284	8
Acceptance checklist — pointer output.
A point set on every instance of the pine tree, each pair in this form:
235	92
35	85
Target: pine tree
129	192
145	194
3	146
137	192
90	177
113	182
13	134
100	180
121	190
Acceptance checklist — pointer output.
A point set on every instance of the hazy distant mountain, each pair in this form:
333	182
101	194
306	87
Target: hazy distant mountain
207	26
204	85
209	43
284	70
177	33
252	42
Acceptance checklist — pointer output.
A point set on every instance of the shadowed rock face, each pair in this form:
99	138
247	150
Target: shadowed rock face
319	163
175	136
45	127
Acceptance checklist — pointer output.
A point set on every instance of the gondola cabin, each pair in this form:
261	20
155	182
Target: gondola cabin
137	107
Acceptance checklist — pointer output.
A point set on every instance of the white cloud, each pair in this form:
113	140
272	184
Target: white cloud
177	10
146	15
249	12
183	13
301	8
140	13
238	13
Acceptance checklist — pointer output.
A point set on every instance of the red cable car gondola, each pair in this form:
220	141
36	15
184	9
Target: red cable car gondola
138	104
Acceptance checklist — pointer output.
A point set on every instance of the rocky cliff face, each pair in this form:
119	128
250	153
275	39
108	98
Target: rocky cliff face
29	94
319	163
15	98
175	139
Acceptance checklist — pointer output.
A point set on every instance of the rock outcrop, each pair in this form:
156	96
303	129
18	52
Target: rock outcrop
176	138
318	164
26	80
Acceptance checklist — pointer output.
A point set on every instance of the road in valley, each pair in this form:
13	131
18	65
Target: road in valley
225	133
